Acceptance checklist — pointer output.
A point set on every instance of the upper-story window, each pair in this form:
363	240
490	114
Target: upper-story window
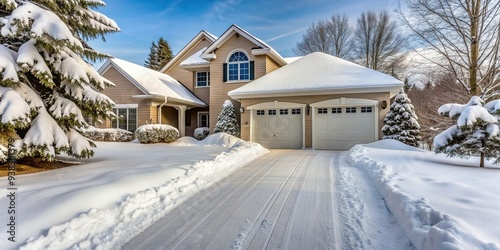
202	79
238	67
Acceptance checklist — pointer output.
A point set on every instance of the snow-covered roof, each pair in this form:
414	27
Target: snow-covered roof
195	60
318	73
292	59
153	83
262	48
202	34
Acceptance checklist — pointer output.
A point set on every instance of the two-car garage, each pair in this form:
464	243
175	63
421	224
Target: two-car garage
318	101
335	124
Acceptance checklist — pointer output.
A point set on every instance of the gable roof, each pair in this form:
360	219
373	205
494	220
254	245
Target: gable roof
262	48
202	34
152	83
318	73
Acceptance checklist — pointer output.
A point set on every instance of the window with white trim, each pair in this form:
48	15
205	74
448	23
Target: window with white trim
350	110
366	109
283	111
295	111
238	67
202	79
322	111
203	119
261	112
126	119
271	112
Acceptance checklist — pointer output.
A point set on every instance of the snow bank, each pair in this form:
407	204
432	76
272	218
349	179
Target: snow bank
111	228
426	227
218	139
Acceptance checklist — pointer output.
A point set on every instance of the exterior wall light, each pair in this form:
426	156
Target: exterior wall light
383	104
242	110
308	108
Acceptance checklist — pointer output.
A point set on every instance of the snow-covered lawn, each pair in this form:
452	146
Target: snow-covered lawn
442	203
118	193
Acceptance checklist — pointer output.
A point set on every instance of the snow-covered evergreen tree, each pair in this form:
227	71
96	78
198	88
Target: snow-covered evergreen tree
227	122
476	132
401	122
159	55
46	84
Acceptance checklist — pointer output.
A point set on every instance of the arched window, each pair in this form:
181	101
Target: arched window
238	67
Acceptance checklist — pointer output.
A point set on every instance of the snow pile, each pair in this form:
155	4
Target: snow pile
111	228
214	140
155	133
426	227
108	134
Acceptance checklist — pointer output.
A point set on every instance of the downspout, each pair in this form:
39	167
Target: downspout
159	110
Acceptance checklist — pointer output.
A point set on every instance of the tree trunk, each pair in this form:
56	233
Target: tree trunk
474	57
481	164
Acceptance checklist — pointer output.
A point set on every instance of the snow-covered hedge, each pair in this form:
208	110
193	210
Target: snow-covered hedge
155	133
201	133
108	134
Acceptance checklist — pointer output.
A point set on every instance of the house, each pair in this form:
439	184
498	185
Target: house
317	101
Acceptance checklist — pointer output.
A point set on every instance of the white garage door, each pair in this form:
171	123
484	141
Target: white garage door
344	127
278	128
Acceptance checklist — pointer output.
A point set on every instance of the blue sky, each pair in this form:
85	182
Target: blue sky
279	23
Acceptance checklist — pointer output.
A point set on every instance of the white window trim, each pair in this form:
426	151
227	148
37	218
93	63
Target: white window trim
227	62
199	120
127	106
196	79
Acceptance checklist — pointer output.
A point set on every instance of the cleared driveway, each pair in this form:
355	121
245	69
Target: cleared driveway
284	200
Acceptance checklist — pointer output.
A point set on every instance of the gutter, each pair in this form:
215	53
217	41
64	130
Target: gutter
159	110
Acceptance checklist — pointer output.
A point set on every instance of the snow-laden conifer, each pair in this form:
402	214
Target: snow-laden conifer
401	122
47	86
227	122
476	132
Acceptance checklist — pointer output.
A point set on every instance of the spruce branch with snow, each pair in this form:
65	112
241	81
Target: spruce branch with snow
47	86
401	122
227	121
476	132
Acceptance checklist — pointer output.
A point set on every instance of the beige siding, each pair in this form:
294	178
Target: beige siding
170	116
271	65
122	94
245	117
202	92
182	75
219	89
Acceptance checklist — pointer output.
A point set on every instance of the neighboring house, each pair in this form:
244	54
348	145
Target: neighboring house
317	101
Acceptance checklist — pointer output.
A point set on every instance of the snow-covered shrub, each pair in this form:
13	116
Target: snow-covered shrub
227	122
476	132
201	133
108	134
46	82
155	133
401	121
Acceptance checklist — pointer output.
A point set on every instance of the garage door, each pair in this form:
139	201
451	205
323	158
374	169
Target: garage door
278	128
344	127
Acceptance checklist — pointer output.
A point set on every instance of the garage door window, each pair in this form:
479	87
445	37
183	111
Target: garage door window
295	111
336	110
322	111
271	112
366	109
350	110
283	111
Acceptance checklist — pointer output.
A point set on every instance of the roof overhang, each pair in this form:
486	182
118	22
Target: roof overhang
162	98
392	89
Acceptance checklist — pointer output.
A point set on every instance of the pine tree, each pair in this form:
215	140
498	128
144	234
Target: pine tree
46	84
227	122
401	121
159	55
476	132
